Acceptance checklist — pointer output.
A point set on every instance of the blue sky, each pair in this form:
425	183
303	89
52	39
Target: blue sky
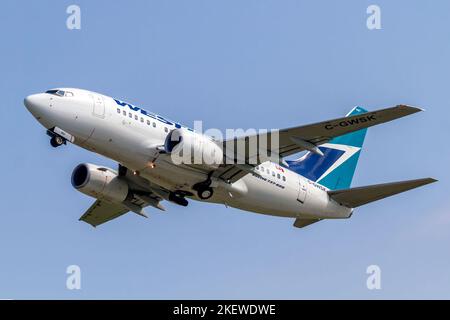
232	64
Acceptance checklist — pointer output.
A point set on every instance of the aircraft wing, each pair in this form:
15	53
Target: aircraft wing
102	211
297	139
140	196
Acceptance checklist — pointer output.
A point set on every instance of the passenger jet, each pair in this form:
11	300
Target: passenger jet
314	187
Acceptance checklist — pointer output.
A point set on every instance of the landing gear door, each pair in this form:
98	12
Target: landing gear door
301	191
98	105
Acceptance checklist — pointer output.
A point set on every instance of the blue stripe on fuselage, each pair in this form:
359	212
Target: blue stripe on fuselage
151	115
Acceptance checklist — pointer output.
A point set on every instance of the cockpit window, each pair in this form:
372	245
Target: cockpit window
56	92
69	94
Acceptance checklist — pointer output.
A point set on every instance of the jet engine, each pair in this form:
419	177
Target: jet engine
187	147
99	182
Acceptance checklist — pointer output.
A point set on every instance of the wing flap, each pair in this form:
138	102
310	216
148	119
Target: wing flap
355	197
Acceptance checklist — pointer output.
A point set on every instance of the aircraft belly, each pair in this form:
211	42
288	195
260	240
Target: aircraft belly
266	198
172	178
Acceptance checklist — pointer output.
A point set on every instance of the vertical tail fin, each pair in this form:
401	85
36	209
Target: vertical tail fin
335	169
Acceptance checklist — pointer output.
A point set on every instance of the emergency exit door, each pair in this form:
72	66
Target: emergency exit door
98	106
301	191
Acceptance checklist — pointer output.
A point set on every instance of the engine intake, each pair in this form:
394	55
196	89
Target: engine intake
99	182
187	147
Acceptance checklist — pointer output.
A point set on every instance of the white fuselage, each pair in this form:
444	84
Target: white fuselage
131	136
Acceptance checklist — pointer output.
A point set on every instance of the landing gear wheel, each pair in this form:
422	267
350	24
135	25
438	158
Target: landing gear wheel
56	141
205	193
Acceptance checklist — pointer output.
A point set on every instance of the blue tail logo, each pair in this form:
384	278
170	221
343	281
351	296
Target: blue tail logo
335	169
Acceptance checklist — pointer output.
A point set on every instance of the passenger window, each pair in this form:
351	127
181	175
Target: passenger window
118	110
154	124
130	115
273	173
284	178
278	176
124	113
268	171
148	122
142	120
135	117
165	129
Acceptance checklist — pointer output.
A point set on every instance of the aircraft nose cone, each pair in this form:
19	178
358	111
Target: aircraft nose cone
31	102
37	104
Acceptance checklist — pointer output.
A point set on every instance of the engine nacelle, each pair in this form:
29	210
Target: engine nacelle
99	182
187	147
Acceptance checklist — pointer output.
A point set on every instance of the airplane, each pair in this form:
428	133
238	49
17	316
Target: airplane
314	187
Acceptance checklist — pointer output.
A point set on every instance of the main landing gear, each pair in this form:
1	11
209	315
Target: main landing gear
178	198
204	191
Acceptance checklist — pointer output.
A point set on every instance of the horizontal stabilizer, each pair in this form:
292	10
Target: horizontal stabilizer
301	223
356	197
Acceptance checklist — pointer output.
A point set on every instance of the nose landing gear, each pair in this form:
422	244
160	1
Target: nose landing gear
56	140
